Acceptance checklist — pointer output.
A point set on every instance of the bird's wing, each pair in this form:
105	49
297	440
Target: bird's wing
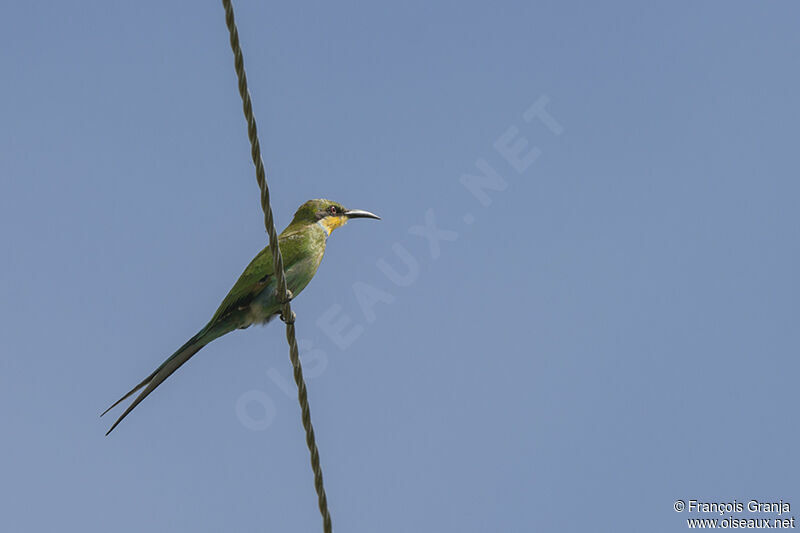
253	280
259	273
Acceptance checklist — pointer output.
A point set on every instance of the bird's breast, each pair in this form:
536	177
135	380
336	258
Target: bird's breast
304	265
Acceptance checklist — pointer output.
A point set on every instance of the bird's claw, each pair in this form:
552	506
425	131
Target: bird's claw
284	298
290	321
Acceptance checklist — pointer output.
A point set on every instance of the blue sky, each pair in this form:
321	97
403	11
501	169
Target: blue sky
606	325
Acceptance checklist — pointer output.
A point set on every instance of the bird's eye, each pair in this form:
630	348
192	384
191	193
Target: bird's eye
332	210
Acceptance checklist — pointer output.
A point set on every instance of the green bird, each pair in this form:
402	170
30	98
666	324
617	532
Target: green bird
253	298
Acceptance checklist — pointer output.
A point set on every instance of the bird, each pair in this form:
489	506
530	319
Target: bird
253	298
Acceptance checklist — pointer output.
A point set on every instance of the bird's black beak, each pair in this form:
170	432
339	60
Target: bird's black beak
358	213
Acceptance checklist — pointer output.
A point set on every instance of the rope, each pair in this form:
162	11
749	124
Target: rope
281	291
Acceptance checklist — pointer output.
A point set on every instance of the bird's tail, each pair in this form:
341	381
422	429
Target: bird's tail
183	354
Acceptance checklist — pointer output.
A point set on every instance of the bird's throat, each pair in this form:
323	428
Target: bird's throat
328	224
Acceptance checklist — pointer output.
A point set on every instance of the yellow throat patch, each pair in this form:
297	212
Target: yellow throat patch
331	223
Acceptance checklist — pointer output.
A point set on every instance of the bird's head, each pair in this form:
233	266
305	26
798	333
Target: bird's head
329	215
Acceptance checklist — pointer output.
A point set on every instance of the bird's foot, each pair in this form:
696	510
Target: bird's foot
290	320
284	298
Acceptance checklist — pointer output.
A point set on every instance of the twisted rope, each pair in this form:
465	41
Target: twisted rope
281	291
